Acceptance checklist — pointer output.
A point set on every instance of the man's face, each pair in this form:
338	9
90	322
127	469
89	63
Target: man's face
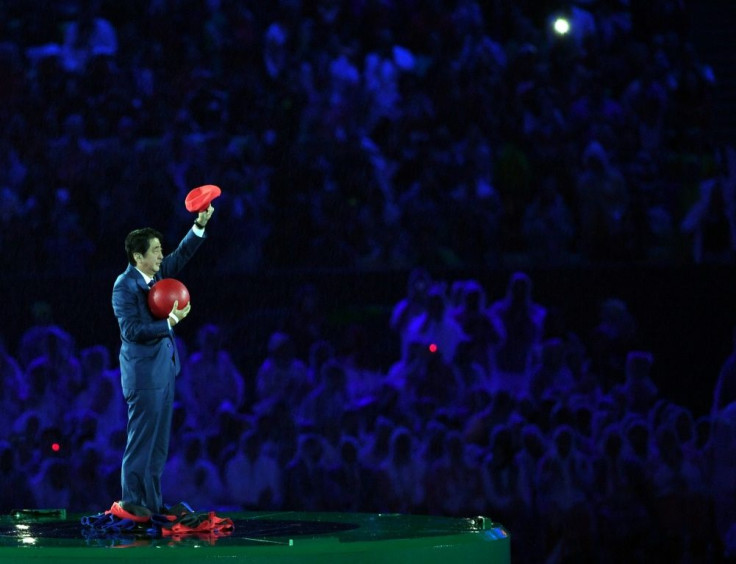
151	261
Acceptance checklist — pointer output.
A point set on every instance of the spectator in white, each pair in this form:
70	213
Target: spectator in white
377	444
344	90
436	326
192	476
346	484
325	405
50	485
711	220
612	339
211	378
675	484
281	376
548	226
414	303
401	476
406	375
305	319
356	355
381	70
480	55
56	377
320	353
17	171
344	77
14	389
86	37
620	504
471	313
38	339
100	391
565	479
522	323
603	202
433	453
253	478
25	435
16	489
500	477
455	479
526	461
305	474
639	392
636	452
647	101
682	421
552	378
72	153
274	50
469	374
613	22
87	490
499	410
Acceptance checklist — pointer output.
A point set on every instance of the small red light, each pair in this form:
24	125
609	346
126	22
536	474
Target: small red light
56	447
433	348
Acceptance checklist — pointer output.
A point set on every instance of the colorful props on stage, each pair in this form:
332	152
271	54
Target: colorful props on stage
199	199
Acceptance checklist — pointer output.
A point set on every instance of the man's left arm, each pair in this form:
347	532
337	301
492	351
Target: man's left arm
202	218
175	261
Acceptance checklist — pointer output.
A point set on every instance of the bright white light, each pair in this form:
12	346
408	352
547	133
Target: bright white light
561	26
24	534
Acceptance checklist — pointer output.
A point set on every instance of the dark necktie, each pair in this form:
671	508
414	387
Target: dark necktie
151	283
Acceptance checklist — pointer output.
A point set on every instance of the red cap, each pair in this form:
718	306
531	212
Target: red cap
199	199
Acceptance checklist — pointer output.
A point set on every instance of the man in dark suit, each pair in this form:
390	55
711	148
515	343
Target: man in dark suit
149	361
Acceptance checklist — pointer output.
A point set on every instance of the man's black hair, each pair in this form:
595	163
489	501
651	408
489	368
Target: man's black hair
139	241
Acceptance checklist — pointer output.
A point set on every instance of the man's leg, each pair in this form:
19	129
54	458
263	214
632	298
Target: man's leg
144	407
160	450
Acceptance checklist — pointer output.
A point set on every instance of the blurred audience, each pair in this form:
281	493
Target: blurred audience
575	468
455	135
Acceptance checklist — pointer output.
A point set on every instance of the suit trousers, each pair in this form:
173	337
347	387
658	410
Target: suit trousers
149	430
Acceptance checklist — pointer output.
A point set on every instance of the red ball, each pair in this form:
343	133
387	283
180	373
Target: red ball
163	294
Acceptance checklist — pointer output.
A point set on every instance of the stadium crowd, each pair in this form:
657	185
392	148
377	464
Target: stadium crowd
492	408
364	134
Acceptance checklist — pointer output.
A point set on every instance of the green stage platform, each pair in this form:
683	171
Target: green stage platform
271	537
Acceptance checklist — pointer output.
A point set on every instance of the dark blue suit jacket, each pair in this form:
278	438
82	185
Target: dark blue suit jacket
147	343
